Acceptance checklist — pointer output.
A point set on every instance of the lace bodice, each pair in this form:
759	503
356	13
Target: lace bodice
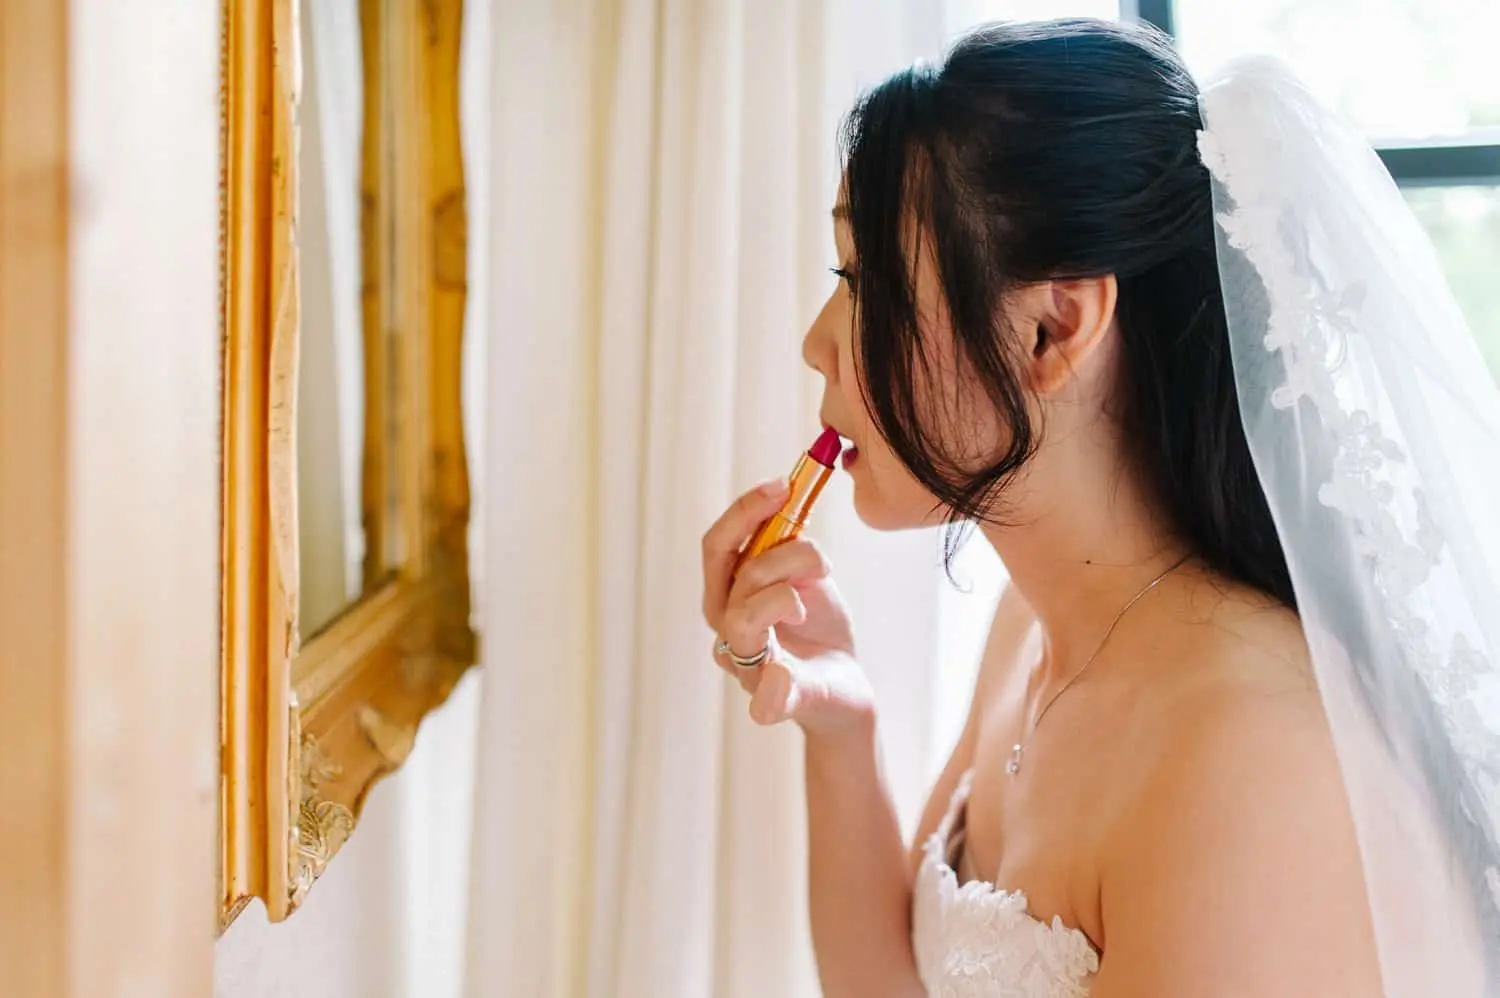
975	941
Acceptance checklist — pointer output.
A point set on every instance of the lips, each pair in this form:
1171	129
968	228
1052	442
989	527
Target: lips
850	452
844	438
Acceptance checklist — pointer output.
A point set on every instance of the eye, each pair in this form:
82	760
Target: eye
847	276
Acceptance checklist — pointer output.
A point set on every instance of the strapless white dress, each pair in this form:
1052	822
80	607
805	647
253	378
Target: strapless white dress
974	940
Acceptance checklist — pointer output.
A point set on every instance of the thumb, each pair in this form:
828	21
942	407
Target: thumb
776	695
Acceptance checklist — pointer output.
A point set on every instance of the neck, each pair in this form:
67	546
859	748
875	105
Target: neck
1081	561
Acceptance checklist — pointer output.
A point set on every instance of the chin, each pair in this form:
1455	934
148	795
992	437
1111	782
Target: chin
877	514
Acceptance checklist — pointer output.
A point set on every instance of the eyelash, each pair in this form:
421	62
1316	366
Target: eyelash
844	275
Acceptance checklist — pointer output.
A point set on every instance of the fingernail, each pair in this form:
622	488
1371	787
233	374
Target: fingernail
773	487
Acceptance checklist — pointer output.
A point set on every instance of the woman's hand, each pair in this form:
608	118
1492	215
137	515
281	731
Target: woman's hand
811	676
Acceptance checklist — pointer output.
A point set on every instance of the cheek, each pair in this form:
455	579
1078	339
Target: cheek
854	400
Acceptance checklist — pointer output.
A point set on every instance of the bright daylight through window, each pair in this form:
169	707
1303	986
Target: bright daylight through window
1419	76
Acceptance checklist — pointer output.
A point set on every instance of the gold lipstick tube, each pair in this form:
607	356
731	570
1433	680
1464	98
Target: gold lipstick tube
812	472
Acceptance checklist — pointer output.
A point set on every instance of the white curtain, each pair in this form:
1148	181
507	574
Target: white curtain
658	238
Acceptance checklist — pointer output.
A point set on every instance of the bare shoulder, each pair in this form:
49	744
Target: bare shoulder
1233	868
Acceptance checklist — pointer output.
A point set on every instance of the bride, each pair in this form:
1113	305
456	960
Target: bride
1186	361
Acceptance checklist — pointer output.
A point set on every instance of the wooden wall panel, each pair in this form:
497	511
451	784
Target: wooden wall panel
109	544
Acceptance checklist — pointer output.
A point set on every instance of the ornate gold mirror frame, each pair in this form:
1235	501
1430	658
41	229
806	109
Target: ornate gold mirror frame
307	729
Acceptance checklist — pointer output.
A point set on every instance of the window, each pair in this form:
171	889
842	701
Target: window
965	14
1418	76
1401	69
1464	223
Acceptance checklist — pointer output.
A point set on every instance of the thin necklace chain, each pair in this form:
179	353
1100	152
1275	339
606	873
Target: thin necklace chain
1019	748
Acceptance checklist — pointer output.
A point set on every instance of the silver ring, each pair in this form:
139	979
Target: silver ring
753	662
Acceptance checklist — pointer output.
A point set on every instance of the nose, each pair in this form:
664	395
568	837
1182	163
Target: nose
819	348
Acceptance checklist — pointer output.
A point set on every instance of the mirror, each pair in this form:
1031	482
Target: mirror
345	573
331	528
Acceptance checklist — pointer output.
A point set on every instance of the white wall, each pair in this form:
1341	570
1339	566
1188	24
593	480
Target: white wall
345	942
387	919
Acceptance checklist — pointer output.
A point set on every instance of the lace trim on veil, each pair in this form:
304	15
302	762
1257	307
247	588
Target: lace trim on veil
1312	323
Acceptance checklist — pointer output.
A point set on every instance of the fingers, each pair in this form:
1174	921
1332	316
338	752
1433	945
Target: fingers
773	689
779	689
796	561
723	541
747	624
749	679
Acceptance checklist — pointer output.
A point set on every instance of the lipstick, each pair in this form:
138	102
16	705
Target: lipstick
807	480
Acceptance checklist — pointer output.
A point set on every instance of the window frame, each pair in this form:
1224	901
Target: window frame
1457	163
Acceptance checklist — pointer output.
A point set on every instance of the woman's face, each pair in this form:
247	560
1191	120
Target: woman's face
886	495
1064	356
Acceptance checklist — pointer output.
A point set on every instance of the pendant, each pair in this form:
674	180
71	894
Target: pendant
1013	766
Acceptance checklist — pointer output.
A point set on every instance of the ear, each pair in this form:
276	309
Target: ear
1071	320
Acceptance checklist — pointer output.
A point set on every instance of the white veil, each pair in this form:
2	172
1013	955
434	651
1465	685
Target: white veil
1375	429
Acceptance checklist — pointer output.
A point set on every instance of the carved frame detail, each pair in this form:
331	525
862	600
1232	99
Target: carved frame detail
307	729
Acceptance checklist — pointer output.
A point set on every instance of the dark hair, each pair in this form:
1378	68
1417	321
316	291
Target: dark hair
1056	150
1069	149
